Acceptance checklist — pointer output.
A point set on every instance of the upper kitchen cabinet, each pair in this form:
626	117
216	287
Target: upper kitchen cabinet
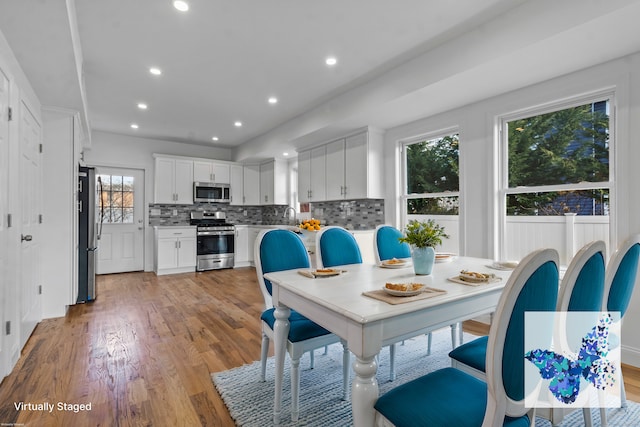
273	182
311	175
173	181
354	167
251	185
204	171
236	183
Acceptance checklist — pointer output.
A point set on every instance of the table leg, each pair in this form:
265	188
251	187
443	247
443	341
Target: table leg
280	334
364	391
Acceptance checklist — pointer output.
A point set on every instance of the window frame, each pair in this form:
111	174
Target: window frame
503	189
404	195
110	192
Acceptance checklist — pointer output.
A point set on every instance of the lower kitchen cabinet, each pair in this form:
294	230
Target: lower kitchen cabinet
246	236
175	250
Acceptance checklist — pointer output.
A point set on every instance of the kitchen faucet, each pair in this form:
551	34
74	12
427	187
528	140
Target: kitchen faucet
286	210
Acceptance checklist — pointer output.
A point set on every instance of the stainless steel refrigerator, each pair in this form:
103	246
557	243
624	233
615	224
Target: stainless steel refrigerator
89	229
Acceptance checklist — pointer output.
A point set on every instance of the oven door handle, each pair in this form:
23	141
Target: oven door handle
216	233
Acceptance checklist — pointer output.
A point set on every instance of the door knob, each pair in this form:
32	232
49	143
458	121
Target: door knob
28	237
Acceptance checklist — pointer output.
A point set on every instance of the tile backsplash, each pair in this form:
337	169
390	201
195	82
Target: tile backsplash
364	214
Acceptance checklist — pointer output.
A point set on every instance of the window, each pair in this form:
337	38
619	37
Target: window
558	162
431	176
117	198
556	187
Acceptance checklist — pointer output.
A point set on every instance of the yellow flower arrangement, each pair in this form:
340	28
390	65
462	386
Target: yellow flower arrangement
310	224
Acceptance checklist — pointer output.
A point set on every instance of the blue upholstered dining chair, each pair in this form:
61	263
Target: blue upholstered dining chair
336	246
450	397
620	280
277	250
581	289
387	246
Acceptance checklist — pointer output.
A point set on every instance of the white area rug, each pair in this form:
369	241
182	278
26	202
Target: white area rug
250	401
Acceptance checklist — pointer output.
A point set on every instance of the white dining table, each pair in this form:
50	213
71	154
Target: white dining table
337	303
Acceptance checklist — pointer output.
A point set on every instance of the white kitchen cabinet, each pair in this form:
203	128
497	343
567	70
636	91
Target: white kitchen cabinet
273	182
236	181
175	250
241	246
62	135
246	236
204	171
251	185
335	170
311	175
173	181
354	167
251	241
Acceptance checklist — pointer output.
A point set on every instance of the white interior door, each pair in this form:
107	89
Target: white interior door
4	203
121	244
30	174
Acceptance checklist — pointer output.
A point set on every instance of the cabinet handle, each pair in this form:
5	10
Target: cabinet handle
175	244
179	244
345	190
309	194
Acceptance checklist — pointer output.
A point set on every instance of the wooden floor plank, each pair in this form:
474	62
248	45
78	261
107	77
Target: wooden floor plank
142	353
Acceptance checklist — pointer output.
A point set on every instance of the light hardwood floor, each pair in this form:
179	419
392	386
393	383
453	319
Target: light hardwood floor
141	354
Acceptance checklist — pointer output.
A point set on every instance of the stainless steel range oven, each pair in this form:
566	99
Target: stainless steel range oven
216	240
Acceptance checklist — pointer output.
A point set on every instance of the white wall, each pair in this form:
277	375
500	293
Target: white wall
108	149
478	161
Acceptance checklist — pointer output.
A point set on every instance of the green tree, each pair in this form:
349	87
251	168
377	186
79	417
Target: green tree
562	147
432	167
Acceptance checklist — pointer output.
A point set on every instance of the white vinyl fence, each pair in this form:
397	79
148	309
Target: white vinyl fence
524	234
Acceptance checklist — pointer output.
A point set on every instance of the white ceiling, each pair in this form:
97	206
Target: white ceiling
221	60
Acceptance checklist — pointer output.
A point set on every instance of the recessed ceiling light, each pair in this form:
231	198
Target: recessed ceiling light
134	126
273	100
155	71
331	60
285	154
215	138
181	5
142	106
238	124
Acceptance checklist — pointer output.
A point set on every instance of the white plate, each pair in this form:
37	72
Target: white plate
328	273
503	265
472	278
458	279
403	264
444	257
403	293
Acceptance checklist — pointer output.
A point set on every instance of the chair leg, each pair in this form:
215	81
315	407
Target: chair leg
264	351
429	339
326	350
392	362
295	389
454	333
346	359
586	414
312	364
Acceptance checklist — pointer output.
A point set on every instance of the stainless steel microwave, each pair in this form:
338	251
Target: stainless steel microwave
211	192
